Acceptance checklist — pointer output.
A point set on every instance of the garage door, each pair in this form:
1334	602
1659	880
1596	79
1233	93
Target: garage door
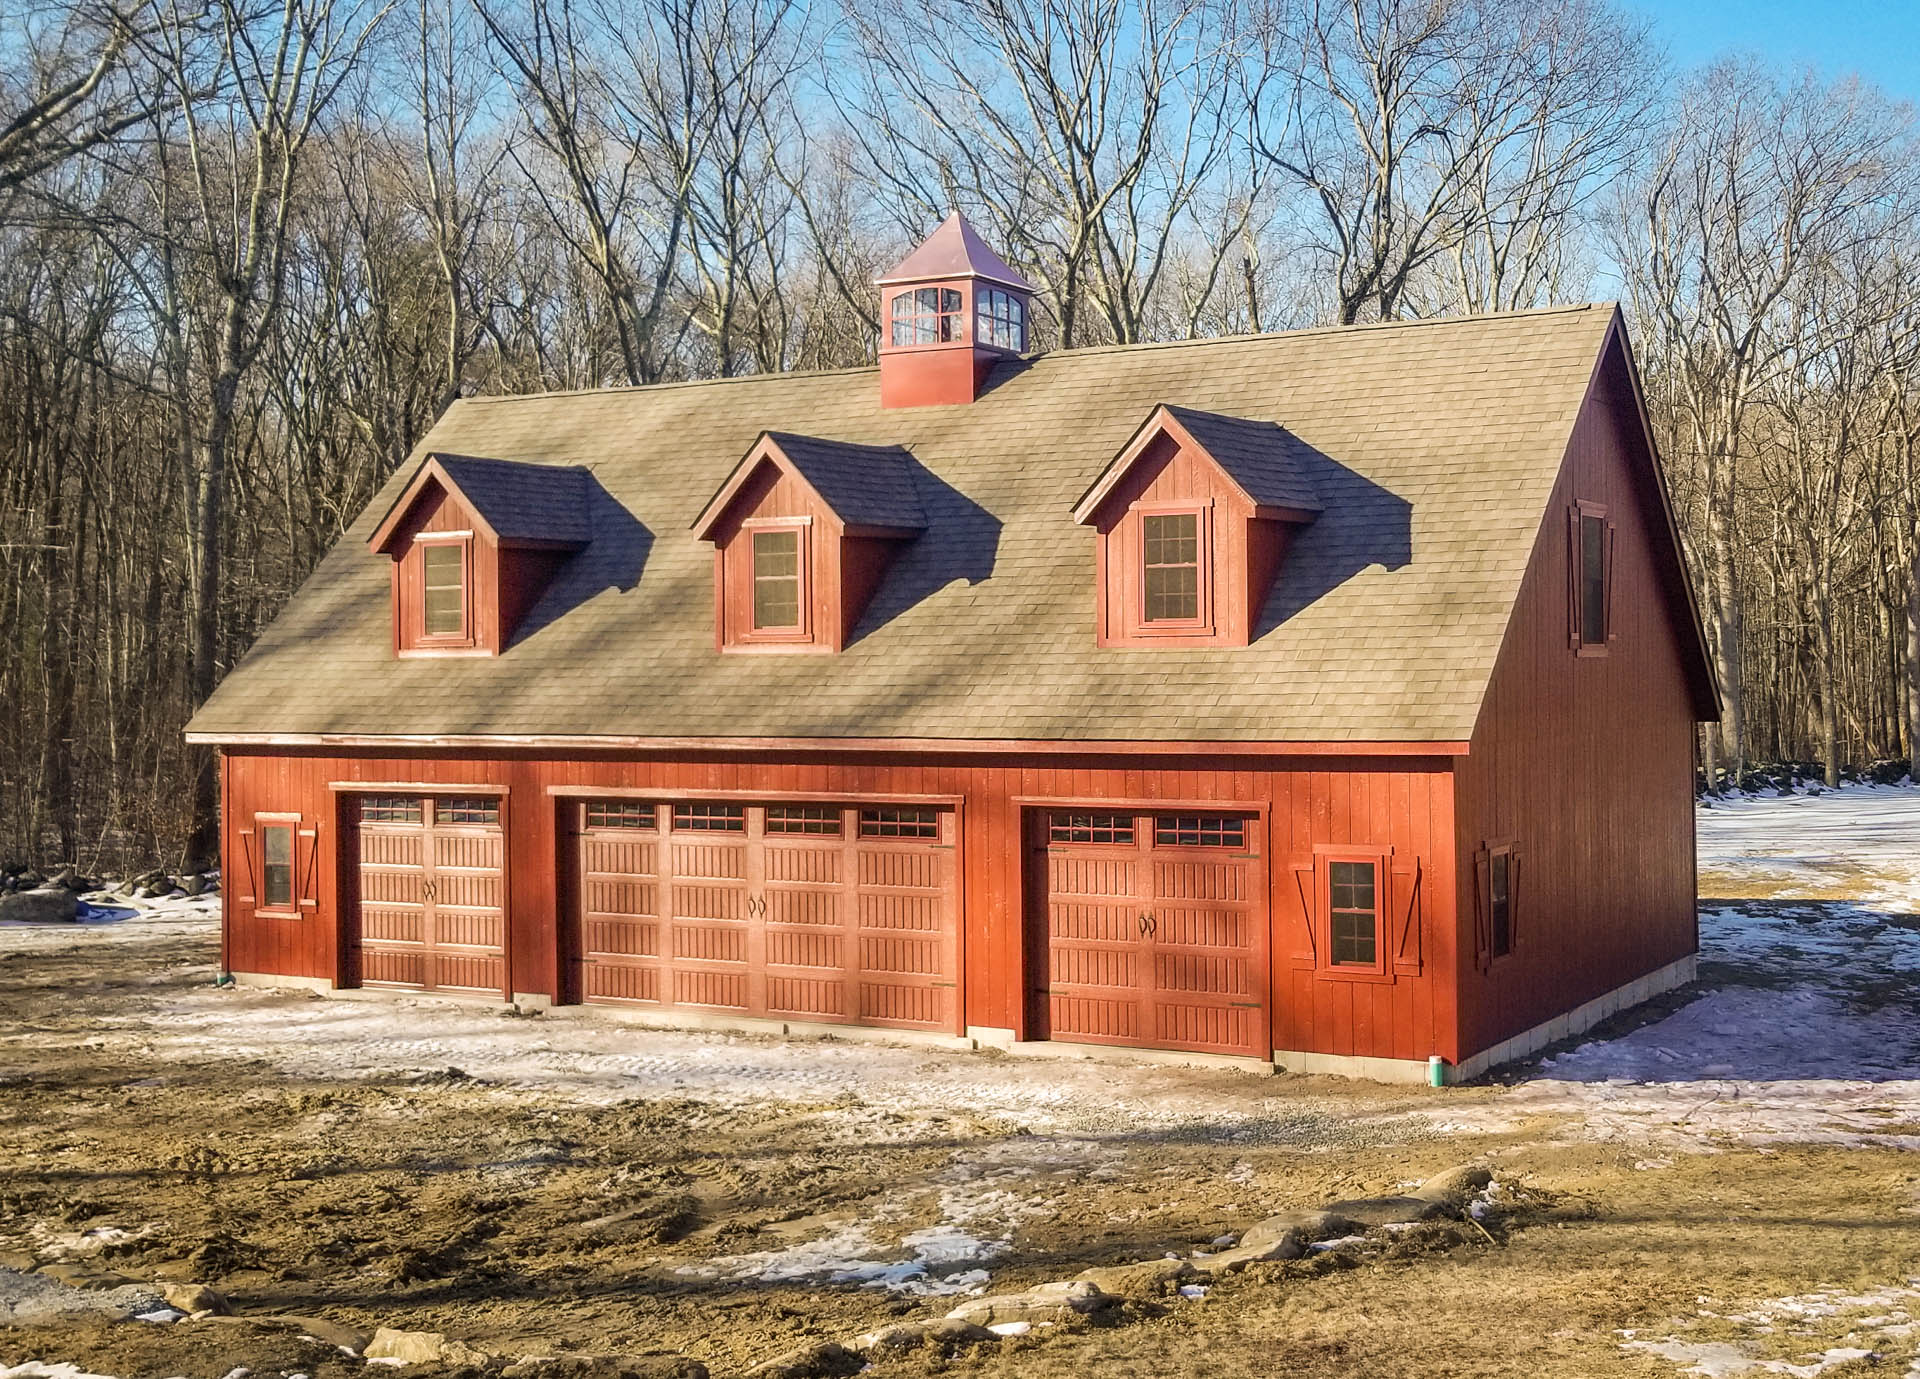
1154	934
817	912
432	906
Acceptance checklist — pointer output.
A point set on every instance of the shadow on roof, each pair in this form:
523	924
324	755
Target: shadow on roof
1362	525
613	559
961	542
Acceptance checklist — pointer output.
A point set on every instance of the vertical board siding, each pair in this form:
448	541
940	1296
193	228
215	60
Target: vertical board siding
1585	763
1402	804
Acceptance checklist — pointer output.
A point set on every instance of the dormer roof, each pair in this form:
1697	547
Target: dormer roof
868	488
516	504
953	251
1260	458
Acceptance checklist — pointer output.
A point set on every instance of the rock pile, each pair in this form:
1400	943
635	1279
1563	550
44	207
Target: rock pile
1101	1294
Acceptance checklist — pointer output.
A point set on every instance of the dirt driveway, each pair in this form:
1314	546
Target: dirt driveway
1721	1186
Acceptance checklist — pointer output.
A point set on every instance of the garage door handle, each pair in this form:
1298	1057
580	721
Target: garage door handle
426	890
1148	923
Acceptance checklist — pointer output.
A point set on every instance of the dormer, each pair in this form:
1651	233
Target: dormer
473	543
1192	520
949	312
803	530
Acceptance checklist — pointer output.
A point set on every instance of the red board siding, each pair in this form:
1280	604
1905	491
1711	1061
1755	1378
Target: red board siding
1583	762
1401	803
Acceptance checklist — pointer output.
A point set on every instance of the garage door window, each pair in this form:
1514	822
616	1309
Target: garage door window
1091	828
384	809
899	823
809	819
710	818
1199	830
621	814
468	811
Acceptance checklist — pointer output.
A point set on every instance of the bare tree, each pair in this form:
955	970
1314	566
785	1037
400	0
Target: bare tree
1086	131
68	81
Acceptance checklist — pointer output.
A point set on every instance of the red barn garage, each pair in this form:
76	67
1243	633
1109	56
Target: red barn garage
1321	699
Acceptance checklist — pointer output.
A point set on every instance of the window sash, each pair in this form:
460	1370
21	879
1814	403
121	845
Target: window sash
777	580
1170	557
276	859
1079	827
926	316
1353	914
1500	902
899	823
443	571
1593	580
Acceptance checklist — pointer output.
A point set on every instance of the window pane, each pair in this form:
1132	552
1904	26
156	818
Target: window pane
620	814
1172	538
277	847
444	569
710	818
1593	581
467	810
1173	593
1498	883
1203	830
807	818
899	823
776	579
388	809
1091	828
1353	913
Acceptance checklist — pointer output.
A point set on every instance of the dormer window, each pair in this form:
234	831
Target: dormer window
927	316
1192	520
779	581
1170	558
802	533
443	566
473	545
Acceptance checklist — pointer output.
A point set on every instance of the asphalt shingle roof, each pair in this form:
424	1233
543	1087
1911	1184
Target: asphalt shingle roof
1432	448
523	502
867	485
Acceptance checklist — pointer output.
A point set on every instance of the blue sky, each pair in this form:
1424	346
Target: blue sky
1879	40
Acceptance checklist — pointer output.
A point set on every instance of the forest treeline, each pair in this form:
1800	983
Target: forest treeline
249	251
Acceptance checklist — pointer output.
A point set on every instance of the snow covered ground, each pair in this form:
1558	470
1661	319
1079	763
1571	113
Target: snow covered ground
1807	1028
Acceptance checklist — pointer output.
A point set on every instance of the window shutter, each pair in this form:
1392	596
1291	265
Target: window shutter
307	877
246	851
1483	910
1573	577
1305	880
1406	905
1608	581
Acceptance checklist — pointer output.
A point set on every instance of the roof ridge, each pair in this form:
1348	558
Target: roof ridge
1198	342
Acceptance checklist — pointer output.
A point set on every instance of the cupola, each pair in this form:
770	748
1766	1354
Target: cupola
949	311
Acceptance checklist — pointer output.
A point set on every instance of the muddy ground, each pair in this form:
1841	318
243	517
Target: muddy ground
524	1216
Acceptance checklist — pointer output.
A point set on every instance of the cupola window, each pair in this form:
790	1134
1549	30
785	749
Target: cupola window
1000	319
927	316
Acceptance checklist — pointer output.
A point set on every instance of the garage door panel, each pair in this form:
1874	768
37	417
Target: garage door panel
902	956
718	861
721	990
804	948
1152	938
431	913
621	982
1200	880
624	936
798	915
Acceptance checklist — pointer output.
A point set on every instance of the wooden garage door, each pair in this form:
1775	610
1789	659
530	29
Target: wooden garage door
812	912
432	902
1154	930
